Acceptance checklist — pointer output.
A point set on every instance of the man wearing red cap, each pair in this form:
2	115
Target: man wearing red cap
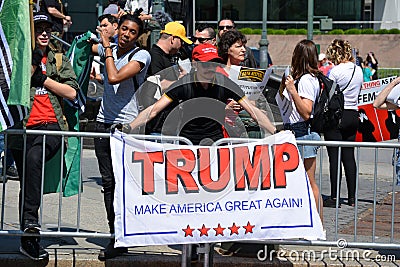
201	95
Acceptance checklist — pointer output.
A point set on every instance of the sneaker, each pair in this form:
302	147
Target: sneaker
31	248
31	227
111	252
12	172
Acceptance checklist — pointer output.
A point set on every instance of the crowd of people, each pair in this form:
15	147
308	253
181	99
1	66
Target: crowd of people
129	69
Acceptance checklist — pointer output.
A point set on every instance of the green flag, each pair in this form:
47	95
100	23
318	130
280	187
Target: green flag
80	55
15	67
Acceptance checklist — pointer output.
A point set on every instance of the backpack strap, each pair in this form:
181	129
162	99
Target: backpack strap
352	75
58	57
135	82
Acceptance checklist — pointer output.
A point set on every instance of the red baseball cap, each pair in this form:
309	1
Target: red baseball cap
205	53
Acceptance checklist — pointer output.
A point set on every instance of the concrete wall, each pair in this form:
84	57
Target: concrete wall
386	47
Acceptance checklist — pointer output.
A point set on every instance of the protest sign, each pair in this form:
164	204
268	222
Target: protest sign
375	124
251	81
177	194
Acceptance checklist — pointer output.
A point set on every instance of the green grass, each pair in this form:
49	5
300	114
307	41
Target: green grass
291	31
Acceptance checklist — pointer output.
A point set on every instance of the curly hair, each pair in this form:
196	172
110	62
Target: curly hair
304	59
340	51
132	18
227	40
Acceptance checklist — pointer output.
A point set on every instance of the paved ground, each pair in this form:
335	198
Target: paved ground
68	251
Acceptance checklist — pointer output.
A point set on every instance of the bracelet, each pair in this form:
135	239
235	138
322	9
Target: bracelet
105	47
108	57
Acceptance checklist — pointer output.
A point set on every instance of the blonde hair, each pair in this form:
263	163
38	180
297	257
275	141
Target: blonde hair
340	51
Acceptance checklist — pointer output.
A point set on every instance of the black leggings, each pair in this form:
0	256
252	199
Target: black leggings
346	133
33	170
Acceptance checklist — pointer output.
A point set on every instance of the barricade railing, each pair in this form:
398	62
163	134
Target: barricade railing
64	135
375	150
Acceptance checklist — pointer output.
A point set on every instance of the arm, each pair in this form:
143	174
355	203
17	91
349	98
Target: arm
55	13
150	112
380	101
128	71
116	76
60	89
373	60
95	49
66	85
257	115
303	105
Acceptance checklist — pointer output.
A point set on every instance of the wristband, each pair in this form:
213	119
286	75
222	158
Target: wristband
108	57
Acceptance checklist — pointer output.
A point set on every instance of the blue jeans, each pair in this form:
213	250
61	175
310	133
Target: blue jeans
8	155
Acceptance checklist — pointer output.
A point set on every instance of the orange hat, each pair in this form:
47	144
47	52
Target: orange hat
205	52
176	29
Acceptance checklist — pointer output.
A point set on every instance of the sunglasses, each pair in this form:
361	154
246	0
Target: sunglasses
200	39
228	27
41	30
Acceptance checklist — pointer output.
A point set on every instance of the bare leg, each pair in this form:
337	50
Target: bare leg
310	165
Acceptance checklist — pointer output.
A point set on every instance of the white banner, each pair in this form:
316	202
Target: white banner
371	89
176	194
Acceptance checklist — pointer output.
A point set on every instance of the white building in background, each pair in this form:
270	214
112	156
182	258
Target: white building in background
387	11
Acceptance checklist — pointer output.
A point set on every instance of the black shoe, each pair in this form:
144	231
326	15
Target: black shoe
30	244
351	202
331	203
110	252
31	227
12	172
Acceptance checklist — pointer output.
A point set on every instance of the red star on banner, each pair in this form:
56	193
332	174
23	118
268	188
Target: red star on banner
188	231
234	229
219	230
203	230
249	228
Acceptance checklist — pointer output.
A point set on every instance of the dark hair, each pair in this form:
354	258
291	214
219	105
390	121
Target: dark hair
112	19
133	18
227	40
233	23
204	26
121	3
304	59
368	57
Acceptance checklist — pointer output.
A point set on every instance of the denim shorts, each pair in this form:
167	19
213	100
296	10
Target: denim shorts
309	151
302	131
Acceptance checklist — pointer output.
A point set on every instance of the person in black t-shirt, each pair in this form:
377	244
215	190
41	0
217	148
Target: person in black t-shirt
202	95
55	9
163	63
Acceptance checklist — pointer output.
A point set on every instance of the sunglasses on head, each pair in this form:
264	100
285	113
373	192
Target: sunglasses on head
200	39
228	27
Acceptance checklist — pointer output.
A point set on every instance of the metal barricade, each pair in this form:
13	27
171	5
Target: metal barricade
60	229
333	235
381	184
